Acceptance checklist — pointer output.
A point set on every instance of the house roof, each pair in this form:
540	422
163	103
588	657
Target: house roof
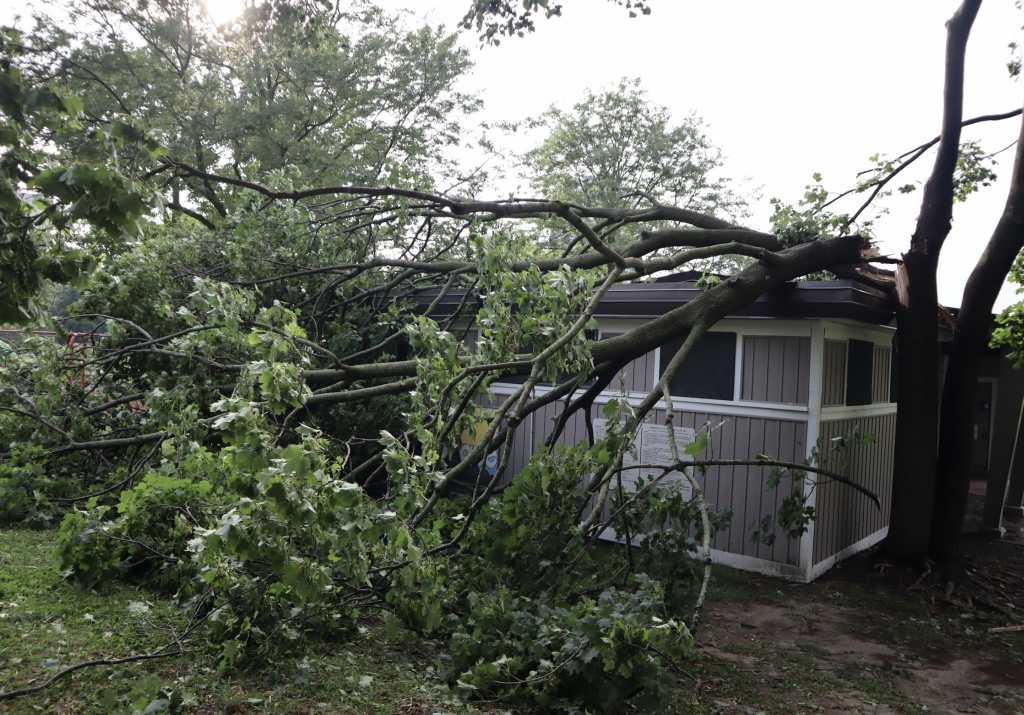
837	300
844	299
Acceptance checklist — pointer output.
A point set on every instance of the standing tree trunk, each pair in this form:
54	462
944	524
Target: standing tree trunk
917	421
956	445
915	460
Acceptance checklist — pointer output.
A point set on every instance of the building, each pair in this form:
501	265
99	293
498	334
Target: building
806	363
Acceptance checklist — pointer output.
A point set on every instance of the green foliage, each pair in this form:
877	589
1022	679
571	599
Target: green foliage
495	19
24	488
972	171
670	554
1013	66
43	197
148	697
1009	332
808	220
588	657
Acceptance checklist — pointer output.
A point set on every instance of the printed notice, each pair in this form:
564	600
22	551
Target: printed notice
653	447
656	449
628	460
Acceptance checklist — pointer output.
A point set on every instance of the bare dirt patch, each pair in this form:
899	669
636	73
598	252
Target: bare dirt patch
864	638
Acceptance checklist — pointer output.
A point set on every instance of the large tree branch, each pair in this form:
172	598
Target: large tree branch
732	294
714	304
467	208
937	204
192	214
741	240
103	444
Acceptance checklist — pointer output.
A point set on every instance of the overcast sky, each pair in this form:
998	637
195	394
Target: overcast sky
787	88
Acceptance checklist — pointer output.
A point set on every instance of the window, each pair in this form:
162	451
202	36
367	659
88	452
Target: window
709	372
588	333
860	364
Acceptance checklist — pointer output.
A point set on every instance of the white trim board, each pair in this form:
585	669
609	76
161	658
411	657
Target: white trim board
727	558
866	543
742	409
844	412
878	334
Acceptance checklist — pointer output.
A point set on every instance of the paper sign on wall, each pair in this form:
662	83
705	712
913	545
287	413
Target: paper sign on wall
652	444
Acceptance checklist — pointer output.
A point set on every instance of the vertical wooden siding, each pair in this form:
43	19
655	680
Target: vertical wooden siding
833	377
776	369
844	515
640	375
741	489
880	378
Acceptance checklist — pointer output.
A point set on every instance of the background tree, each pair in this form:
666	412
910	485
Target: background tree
43	197
495	19
617	150
286	89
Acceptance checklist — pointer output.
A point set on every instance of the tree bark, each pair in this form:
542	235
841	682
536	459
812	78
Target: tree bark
956	445
915	459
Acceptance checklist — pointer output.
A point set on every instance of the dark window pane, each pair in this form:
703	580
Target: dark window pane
710	370
588	333
860	362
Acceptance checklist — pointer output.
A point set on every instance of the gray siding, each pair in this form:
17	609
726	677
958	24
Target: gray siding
880	378
640	375
522	443
776	369
833	377
844	515
741	489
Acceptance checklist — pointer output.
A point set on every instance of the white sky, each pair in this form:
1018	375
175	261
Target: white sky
787	88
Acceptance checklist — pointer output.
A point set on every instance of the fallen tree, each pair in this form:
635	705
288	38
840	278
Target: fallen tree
264	430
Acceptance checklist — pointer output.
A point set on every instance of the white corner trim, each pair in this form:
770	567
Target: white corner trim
726	558
815	371
761	566
866	543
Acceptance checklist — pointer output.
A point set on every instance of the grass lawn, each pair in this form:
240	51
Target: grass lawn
47	624
768	647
